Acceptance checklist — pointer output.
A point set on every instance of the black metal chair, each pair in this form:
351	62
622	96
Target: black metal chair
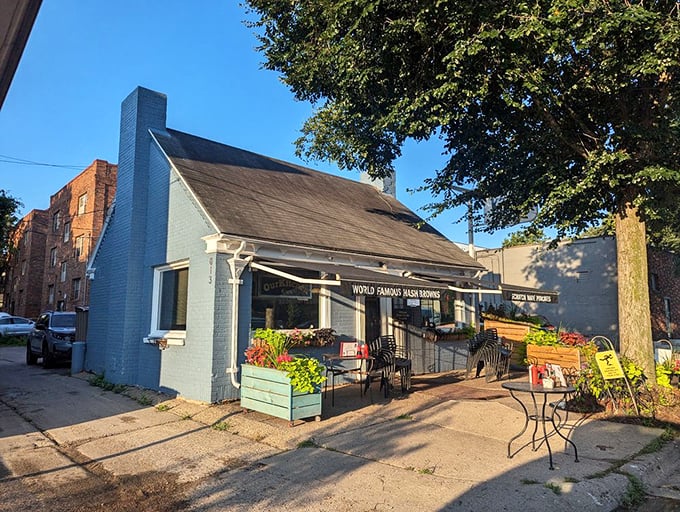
382	364
481	350
402	363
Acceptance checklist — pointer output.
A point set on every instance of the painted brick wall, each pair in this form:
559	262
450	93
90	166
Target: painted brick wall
343	315
116	308
186	369
156	222
664	285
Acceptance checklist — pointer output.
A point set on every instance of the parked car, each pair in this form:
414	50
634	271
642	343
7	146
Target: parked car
15	326
51	338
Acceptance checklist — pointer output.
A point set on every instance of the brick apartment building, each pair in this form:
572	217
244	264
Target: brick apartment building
23	284
65	233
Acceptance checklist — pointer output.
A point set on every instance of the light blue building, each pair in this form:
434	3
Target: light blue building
206	242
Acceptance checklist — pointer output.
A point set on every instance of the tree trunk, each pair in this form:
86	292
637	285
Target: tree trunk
635	324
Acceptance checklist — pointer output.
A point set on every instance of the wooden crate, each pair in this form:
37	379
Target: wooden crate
268	390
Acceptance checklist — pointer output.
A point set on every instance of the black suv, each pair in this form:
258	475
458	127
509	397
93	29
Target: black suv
51	338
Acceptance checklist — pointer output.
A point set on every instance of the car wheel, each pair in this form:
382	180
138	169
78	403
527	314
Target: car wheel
47	358
31	358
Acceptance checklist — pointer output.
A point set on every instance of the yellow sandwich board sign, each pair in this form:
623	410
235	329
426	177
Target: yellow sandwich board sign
609	365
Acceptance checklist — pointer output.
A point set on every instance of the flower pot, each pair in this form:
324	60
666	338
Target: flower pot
567	357
269	391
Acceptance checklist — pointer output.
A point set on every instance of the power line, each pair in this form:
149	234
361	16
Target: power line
21	161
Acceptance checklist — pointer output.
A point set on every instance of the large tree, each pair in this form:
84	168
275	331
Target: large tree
571	106
9	207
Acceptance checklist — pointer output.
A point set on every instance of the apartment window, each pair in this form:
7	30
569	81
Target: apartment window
67	231
75	288
50	294
78	252
171	285
62	273
82	204
56	222
53	257
23	268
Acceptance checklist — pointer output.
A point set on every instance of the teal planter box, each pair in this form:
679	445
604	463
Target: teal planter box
269	391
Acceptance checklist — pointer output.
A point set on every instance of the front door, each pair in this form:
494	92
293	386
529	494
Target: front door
372	319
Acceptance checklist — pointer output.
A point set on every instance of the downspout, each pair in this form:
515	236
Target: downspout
235	282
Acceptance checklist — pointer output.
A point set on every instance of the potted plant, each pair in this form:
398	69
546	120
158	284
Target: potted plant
277	383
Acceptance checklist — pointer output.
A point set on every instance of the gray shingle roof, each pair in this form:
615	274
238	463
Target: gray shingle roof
255	196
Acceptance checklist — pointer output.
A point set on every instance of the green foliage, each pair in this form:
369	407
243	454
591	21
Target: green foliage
9	207
305	373
541	337
590	381
100	381
525	237
566	105
12	341
571	107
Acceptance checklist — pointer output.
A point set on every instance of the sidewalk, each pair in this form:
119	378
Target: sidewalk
441	447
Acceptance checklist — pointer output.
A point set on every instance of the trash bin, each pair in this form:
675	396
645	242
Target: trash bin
77	357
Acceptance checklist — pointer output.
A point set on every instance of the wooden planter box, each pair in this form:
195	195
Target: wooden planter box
511	331
269	391
567	357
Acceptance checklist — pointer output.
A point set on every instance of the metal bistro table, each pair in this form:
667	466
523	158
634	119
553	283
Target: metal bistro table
543	417
362	370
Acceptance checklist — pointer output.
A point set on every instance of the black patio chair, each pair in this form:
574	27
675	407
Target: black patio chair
402	363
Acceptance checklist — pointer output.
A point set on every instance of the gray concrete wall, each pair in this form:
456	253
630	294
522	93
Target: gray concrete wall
583	272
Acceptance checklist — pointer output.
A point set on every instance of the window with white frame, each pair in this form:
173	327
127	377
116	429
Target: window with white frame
67	231
75	289
53	257
62	273
82	204
56	222
78	251
171	287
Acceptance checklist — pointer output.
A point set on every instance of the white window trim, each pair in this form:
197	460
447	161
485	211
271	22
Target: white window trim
171	337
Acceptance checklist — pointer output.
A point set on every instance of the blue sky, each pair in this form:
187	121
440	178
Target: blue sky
83	58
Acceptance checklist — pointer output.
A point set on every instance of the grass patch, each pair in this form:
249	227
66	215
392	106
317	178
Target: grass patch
658	443
571	480
309	443
528	481
404	417
12	341
635	493
553	487
144	400
222	426
162	407
187	416
100	382
426	471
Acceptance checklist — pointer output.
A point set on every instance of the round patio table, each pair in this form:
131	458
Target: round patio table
546	415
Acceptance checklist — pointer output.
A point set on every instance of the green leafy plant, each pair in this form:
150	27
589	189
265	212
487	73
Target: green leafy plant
270	350
305	373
